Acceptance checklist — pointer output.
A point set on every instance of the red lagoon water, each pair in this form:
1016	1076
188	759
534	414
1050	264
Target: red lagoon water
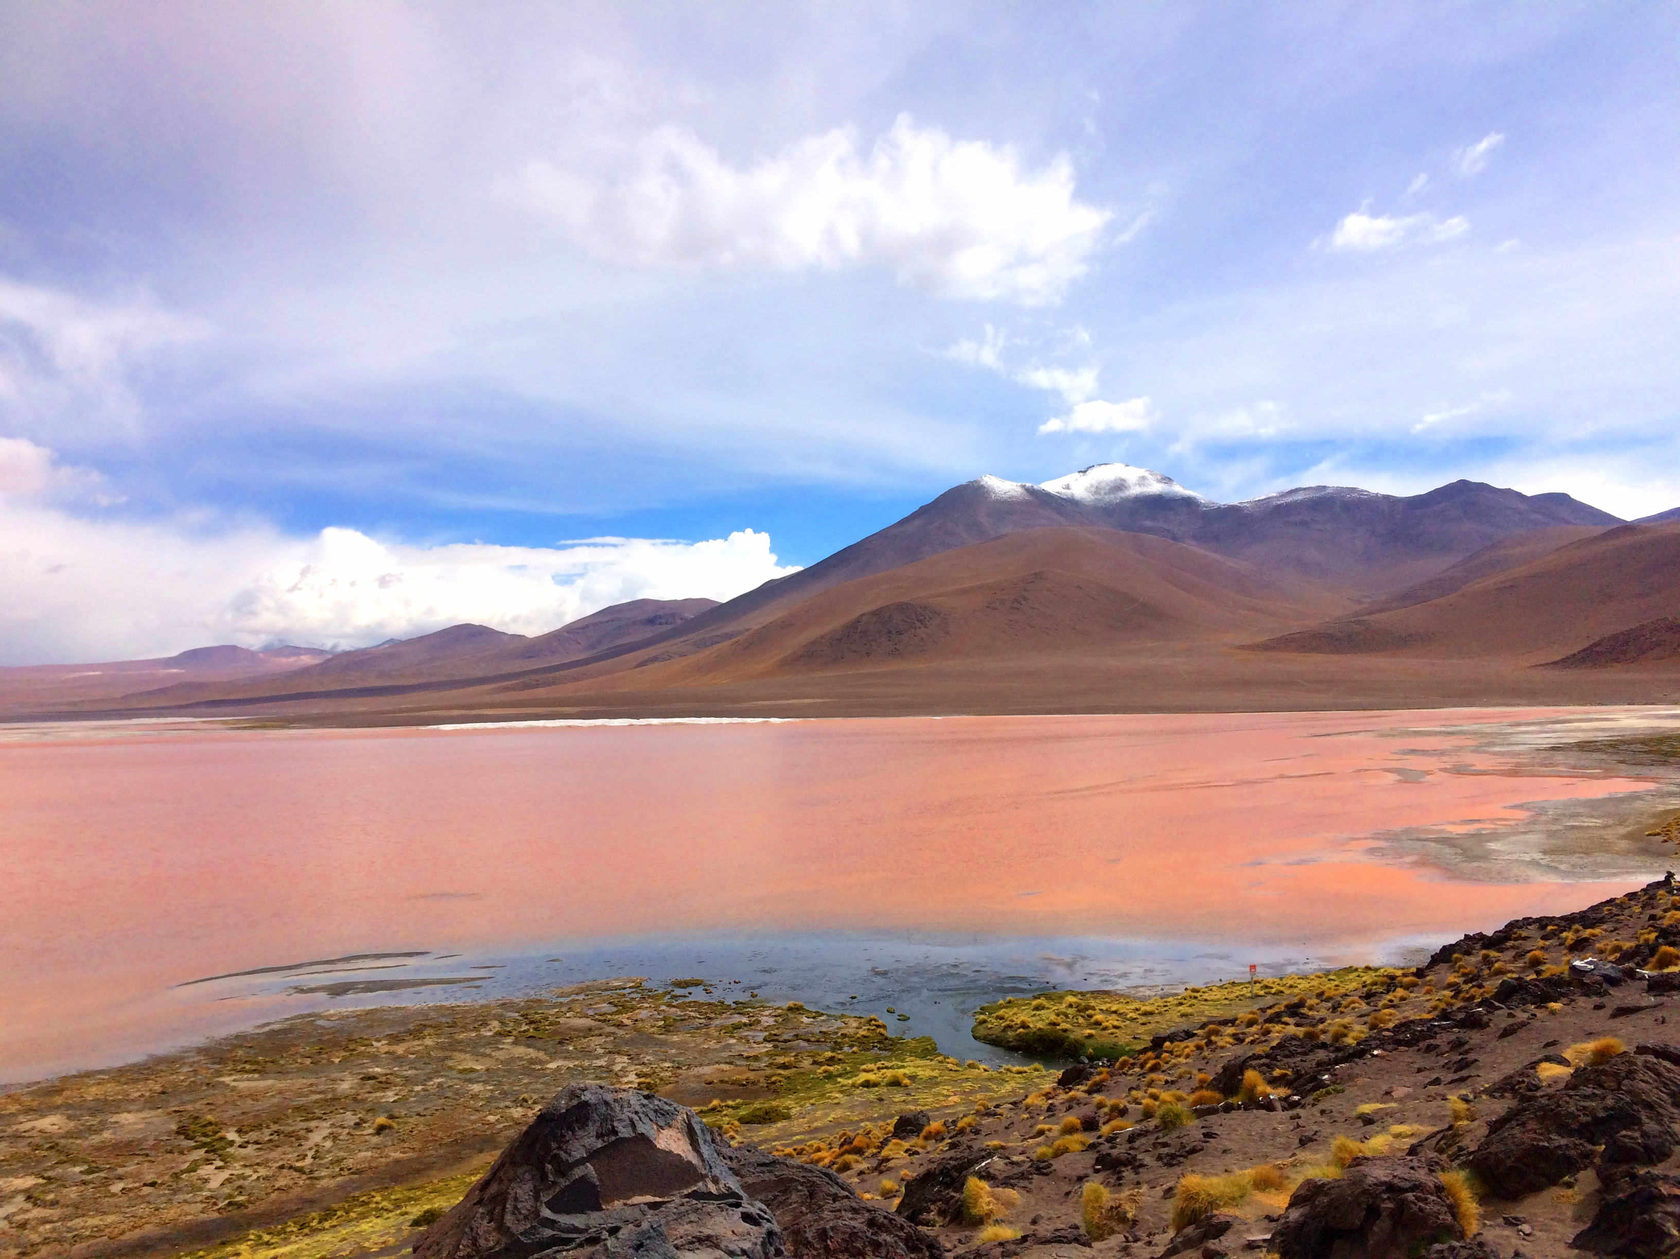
135	860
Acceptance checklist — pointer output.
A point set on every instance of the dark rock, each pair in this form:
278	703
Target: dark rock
1638	1217
601	1173
934	1196
1195	1236
1630	1105
1663	981
1388	1208
908	1127
820	1216
1474	1248
1075	1075
1515	992
1117	1161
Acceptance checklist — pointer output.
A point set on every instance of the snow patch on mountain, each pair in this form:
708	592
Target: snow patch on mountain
1109	482
997	487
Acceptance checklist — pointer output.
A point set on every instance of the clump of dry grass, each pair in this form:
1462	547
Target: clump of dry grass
1171	1115
1070	1124
1268	1178
1549	1071
998	1233
1199	1196
1206	1097
1666	958
981	1203
1460	1111
1594	1053
1461	1192
1253	1087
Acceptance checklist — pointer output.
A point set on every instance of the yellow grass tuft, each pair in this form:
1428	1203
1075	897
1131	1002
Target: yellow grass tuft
1666	958
1594	1053
1199	1196
1267	1178
1206	1097
1171	1115
1068	1145
1103	1213
1253	1087
981	1204
1549	1071
998	1233
1070	1124
1460	1111
1461	1193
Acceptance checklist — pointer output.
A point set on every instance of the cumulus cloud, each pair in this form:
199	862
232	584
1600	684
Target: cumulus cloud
67	360
29	471
959	218
1077	386
1096	416
1362	232
86	588
1473	159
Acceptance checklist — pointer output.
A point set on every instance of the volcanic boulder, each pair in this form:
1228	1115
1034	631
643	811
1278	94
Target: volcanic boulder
1638	1217
1389	1208
602	1173
1629	1105
819	1214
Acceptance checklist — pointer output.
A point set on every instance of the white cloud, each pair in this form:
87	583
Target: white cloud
80	588
1097	416
1420	181
29	471
959	218
1473	159
65	360
1361	232
1075	384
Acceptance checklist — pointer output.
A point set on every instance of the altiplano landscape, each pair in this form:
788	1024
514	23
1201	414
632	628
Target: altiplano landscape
958	630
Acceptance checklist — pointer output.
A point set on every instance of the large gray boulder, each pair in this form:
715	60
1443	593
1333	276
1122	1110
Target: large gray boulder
820	1216
1380	1208
604	1173
1624	1112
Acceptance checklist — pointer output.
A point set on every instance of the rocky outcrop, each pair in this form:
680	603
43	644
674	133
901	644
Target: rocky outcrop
602	1173
1192	1238
1638	1217
819	1214
1390	1208
1629	1105
934	1196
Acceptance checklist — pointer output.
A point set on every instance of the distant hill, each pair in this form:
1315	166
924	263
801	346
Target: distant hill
55	685
1535	612
1655	641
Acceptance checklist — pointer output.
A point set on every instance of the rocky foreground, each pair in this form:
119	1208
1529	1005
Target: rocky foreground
1517	1094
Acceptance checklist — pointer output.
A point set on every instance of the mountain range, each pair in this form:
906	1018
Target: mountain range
1110	588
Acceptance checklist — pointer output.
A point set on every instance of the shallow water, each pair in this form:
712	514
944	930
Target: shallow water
928	864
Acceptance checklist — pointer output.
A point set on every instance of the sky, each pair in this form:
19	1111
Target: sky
328	323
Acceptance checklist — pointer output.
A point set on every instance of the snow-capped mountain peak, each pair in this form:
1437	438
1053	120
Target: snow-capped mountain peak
997	487
1108	482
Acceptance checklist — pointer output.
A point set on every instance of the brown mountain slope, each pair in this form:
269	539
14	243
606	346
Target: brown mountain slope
1042	592
610	627
1507	553
1649	642
1530	614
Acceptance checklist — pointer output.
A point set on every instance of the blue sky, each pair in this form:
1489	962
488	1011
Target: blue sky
330	322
